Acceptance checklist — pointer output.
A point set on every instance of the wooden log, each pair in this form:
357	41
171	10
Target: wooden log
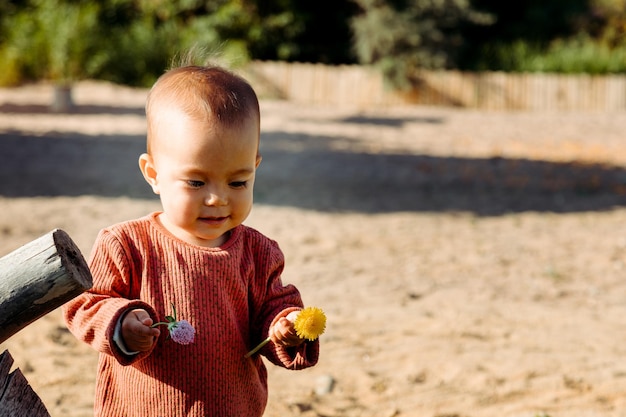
39	277
17	398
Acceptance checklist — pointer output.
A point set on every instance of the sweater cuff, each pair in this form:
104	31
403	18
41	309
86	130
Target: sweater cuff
298	357
118	339
120	355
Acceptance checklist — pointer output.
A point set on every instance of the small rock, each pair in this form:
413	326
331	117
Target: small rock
324	385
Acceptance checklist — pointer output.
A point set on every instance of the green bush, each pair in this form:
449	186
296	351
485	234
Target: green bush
51	40
399	38
580	54
133	41
120	41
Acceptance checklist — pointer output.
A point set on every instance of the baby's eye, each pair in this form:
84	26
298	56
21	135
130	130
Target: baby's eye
194	183
238	184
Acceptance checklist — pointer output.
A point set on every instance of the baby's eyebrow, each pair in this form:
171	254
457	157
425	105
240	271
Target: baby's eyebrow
200	172
243	171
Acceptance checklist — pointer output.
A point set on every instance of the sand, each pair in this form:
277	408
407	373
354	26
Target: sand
470	263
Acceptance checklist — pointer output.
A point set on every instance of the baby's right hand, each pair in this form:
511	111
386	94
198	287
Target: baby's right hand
136	331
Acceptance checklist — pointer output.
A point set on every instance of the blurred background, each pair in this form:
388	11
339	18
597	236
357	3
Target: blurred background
131	42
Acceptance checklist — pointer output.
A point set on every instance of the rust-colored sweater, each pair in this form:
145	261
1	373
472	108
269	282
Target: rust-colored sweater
231	295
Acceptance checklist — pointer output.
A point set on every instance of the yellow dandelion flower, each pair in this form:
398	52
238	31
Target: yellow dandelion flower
310	323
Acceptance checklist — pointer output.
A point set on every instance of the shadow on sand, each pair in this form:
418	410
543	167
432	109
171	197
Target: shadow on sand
309	172
12	108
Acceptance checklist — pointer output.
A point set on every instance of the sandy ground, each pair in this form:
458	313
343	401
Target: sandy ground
470	263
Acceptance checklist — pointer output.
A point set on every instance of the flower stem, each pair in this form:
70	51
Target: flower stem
256	349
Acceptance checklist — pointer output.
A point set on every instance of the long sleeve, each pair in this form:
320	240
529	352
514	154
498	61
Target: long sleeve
92	316
230	295
271	300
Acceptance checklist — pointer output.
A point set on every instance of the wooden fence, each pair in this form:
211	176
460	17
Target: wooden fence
362	87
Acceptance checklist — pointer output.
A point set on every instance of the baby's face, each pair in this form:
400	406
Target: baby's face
204	175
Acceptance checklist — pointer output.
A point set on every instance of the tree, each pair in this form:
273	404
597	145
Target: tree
59	38
134	41
399	37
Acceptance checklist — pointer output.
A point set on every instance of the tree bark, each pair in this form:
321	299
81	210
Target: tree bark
39	277
17	398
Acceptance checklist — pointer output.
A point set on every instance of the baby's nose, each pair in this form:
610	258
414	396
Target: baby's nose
215	199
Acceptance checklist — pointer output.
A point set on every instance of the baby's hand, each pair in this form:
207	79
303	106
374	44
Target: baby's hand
283	332
136	331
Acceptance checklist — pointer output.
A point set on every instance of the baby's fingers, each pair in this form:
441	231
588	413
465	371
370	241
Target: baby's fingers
142	316
136	330
284	334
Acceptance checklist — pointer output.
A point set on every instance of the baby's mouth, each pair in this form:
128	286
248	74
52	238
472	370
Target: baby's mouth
213	219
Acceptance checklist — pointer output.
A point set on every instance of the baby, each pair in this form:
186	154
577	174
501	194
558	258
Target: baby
221	276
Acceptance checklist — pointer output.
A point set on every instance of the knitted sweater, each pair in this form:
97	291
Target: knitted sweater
231	295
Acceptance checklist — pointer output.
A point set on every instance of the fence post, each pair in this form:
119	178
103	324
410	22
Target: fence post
34	280
17	398
39	277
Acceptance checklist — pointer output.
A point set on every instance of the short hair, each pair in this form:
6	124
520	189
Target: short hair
208	93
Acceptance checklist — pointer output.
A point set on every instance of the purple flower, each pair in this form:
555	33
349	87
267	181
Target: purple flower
182	332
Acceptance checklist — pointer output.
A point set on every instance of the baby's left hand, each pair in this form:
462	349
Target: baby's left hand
283	332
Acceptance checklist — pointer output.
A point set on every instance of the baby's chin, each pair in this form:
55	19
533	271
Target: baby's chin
211	240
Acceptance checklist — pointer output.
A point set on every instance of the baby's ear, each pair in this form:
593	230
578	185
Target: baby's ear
146	165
